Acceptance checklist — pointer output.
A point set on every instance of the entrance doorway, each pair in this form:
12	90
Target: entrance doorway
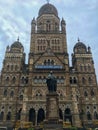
68	115
40	116
32	116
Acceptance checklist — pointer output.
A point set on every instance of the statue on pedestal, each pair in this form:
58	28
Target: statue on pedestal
51	82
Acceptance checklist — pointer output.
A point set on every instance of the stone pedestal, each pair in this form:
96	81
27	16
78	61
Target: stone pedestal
52	121
52	107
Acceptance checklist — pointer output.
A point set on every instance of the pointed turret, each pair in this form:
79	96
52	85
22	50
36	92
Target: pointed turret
33	25
63	26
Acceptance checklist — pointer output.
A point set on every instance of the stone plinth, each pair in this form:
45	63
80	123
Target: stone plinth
52	121
52	107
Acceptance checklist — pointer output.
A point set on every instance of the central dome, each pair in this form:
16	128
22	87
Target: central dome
48	9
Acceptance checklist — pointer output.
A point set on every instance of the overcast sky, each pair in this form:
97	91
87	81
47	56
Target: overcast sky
81	18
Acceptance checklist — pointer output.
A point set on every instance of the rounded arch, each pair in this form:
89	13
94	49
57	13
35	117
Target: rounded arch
60	114
40	116
68	115
32	115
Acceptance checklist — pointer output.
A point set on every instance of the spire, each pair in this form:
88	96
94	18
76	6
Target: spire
78	39
18	39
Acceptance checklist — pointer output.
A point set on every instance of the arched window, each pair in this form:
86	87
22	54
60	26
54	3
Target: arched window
74	80
22	80
35	79
85	94
52	62
92	92
68	115
38	95
56	26
13	80
40	116
71	80
12	94
83	80
26	80
89	116
8	117
21	97
49	62
32	116
1	116
44	79
95	115
7	80
48	26
77	97
40	79
60	114
90	80
5	92
18	115
8	67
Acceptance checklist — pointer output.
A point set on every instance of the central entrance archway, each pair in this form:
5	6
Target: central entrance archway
68	115
32	116
40	116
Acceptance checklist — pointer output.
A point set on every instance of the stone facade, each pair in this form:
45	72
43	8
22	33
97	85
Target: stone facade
23	86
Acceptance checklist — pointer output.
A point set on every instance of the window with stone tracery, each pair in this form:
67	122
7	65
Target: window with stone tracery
38	95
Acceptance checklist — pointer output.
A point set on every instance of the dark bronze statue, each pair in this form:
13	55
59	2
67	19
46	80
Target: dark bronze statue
51	83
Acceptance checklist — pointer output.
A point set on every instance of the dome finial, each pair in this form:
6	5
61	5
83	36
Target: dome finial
78	39
48	1
18	39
